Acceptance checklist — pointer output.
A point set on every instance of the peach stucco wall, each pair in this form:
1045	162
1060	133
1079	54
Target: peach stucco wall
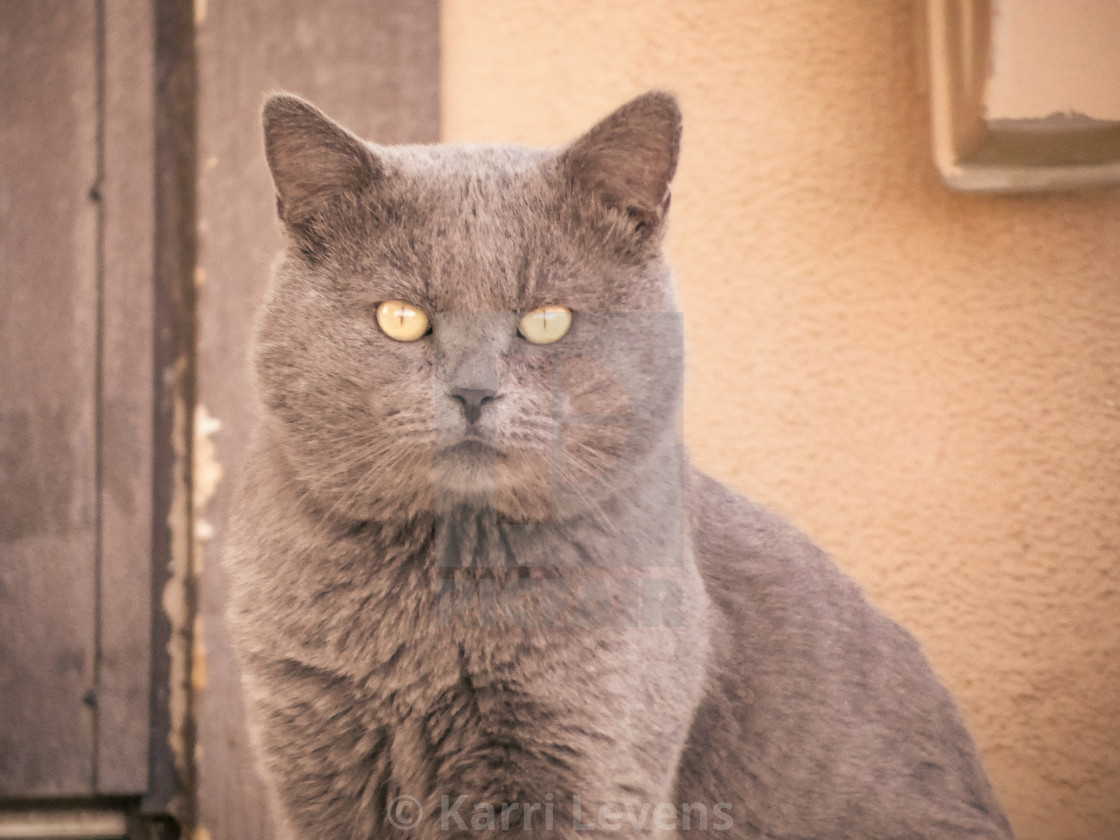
927	382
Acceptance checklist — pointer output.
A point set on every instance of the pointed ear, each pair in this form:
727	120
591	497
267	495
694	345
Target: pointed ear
312	158
629	158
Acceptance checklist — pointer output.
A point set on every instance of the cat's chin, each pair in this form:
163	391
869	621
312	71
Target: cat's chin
475	474
465	470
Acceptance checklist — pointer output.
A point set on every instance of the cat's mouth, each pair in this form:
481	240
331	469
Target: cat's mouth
469	468
472	447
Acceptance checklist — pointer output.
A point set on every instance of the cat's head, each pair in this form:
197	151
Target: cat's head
470	325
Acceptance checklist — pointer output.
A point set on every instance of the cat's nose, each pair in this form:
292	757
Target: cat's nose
471	400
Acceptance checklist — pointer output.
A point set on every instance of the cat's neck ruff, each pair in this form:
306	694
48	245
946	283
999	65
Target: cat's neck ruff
642	523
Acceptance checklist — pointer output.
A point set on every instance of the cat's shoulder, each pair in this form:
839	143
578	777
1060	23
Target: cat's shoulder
756	563
732	531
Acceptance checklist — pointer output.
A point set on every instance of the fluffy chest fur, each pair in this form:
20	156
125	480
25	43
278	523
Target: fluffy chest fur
457	654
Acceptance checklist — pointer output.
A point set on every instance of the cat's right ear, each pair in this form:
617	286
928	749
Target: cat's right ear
312	158
629	158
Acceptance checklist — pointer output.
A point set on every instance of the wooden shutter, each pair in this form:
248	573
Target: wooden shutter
76	397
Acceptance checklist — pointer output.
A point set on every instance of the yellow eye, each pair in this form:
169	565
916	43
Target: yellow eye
546	325
401	321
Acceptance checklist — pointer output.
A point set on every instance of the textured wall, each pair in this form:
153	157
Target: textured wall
927	382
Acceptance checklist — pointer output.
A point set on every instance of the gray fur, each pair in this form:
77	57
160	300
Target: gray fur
563	606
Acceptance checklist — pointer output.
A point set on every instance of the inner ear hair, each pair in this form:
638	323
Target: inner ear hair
628	159
312	158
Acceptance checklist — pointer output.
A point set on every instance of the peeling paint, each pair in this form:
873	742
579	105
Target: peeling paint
207	470
176	598
206	476
203	531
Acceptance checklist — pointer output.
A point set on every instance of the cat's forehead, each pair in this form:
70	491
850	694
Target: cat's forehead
456	171
482	221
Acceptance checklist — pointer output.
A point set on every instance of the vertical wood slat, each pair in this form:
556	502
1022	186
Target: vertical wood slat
126	409
48	368
374	65
171	745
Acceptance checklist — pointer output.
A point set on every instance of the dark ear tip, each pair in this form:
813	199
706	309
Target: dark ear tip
280	105
662	102
657	106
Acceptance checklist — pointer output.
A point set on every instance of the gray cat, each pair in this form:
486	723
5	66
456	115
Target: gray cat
478	587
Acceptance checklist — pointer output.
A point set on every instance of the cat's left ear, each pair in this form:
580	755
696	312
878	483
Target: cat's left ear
312	158
628	159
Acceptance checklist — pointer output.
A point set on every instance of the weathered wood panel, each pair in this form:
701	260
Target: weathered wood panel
48	368
126	396
170	782
373	64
